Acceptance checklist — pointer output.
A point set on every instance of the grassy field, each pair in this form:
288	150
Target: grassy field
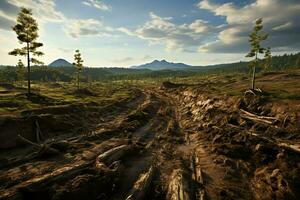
276	85
51	94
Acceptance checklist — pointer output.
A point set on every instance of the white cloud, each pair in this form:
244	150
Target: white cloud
43	10
161	30
46	12
281	21
87	27
97	4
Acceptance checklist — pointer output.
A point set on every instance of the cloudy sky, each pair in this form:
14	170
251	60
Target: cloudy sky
130	32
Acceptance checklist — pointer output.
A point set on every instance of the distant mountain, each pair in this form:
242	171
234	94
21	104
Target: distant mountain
163	64
60	63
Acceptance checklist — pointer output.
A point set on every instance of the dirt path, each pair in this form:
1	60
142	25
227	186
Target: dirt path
154	131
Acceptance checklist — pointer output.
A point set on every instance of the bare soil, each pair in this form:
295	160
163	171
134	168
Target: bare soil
174	142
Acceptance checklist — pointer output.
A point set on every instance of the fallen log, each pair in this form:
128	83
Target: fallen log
16	161
141	186
257	118
289	147
59	175
113	154
179	186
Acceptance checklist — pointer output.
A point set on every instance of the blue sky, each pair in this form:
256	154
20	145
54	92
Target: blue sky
130	32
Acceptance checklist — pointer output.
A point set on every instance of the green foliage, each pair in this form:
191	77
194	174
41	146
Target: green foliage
78	65
65	74
27	32
256	37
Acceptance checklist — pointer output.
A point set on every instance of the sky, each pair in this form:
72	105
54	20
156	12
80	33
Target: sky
122	33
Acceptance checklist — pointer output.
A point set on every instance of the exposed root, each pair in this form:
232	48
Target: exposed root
141	186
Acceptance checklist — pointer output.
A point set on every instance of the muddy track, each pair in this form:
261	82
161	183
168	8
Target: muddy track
138	124
149	149
150	128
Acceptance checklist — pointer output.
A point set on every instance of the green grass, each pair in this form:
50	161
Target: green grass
44	95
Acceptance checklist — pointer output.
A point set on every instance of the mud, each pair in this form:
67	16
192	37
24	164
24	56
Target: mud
176	142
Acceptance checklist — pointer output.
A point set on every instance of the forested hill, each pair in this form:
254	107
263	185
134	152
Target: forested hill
44	73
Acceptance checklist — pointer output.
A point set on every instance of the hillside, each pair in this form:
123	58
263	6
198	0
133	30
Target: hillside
161	65
60	63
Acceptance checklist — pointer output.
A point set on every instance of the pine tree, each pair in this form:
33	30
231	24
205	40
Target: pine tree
20	70
267	59
78	63
27	32
255	39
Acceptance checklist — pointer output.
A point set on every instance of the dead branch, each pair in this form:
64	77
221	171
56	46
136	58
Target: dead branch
258	116
39	134
290	147
179	186
43	149
249	91
257	119
113	154
141	186
35	145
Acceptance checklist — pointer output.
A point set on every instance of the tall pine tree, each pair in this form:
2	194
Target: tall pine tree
256	37
27	32
78	63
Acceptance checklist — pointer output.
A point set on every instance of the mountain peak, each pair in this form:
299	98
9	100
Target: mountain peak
163	64
60	63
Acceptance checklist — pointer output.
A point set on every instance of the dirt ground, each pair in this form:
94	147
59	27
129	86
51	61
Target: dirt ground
176	142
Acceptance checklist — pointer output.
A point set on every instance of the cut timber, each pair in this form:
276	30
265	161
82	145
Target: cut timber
257	118
198	176
67	172
288	147
58	175
141	186
179	188
113	154
197	172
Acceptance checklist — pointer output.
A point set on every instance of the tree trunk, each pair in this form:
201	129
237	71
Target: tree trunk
77	80
28	70
253	75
